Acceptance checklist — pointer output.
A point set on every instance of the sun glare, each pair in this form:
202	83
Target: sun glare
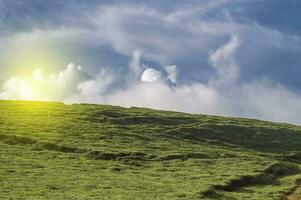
28	64
29	56
31	87
26	91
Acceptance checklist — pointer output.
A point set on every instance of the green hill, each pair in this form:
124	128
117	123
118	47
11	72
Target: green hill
57	151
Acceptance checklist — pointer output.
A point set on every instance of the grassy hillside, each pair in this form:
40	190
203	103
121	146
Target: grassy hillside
57	151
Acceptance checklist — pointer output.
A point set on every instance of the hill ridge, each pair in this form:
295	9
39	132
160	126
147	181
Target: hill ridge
87	151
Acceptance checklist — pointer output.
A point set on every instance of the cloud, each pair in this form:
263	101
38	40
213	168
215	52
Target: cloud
267	100
258	99
206	57
195	98
135	63
178	33
185	35
171	73
96	86
130	28
55	87
223	61
150	75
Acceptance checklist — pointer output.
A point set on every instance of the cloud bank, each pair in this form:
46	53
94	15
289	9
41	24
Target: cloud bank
54	87
159	88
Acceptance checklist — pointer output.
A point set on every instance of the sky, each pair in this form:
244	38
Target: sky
237	58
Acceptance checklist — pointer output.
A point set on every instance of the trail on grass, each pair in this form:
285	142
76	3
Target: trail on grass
296	195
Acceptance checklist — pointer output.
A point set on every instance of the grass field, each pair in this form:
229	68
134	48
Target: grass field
57	151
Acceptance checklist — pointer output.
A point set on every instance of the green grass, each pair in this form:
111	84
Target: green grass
57	151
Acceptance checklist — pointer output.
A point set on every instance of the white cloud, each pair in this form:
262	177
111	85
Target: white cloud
262	99
223	61
171	73
56	86
96	86
135	63
195	98
266	100
165	37
151	75
128	28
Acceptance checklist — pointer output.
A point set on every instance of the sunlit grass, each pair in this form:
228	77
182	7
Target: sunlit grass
57	151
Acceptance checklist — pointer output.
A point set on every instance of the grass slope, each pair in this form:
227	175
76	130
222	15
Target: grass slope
57	151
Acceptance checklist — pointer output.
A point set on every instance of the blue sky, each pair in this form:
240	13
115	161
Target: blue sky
222	57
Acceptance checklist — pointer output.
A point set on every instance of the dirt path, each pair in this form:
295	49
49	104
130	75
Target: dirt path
292	197
296	195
